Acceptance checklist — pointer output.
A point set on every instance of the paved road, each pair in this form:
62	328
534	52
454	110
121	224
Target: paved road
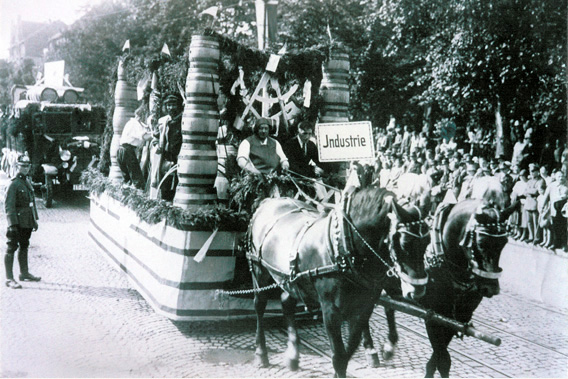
85	320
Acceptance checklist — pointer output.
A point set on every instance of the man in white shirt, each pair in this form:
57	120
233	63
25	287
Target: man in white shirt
134	135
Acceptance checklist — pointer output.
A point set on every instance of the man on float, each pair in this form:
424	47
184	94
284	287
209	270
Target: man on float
302	152
134	135
259	153
170	143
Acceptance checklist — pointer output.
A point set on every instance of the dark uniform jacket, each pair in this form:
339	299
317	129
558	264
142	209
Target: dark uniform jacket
20	203
299	158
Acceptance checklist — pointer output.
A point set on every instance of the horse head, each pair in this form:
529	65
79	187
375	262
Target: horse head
484	239
408	239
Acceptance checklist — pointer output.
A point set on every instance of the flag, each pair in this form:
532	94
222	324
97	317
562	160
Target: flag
352	182
166	50
126	45
211	11
283	50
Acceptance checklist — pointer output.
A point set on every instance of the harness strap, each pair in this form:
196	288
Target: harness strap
298	209
295	251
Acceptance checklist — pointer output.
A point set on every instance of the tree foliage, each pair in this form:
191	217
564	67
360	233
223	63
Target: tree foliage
460	58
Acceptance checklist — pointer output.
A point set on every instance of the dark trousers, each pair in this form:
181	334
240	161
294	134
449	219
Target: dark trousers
129	165
168	188
559	226
21	240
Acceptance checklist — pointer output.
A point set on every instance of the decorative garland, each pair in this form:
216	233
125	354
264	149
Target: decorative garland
248	190
154	211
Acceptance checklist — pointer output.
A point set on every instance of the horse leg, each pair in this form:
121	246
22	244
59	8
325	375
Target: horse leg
332	322
370	352
292	353
390	345
440	337
261	354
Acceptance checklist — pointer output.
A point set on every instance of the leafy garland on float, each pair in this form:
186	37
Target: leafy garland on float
154	211
247	193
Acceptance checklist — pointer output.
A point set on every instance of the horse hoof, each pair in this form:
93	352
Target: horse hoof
388	351
261	361
388	354
372	360
293	364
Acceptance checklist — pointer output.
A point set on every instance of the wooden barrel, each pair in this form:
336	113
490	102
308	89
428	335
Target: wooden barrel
197	160
204	53
40	93
125	103
335	89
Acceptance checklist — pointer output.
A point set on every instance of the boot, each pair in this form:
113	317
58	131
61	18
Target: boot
11	283
9	264
23	261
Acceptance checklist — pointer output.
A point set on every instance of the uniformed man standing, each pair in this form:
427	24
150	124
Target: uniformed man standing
22	217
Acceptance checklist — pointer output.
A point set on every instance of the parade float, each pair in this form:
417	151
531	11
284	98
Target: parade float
186	257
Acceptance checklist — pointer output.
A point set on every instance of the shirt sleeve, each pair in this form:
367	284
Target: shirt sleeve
280	152
244	150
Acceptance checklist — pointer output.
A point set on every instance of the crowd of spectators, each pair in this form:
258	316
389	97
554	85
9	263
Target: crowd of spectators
535	178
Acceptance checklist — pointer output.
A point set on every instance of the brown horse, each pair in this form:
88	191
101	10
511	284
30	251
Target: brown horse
338	261
471	236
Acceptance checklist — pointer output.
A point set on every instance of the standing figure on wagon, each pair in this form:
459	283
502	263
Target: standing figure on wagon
169	141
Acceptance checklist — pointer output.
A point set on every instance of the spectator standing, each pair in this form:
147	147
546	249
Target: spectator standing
518	218
556	195
467	182
534	184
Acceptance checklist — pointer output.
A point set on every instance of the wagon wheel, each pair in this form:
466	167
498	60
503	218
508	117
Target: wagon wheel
47	192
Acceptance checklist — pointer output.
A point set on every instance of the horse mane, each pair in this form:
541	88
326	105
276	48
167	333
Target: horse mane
367	203
489	190
415	188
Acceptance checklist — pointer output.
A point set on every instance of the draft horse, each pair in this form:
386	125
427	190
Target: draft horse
467	240
337	261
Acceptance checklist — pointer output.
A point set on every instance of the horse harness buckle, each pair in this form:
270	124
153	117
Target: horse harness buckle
342	263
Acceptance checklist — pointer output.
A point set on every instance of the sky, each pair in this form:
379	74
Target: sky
67	11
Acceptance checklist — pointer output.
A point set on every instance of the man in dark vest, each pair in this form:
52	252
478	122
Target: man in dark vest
302	152
22	217
259	153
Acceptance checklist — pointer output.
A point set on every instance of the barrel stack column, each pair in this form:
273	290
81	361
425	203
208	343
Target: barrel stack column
335	89
125	103
197	160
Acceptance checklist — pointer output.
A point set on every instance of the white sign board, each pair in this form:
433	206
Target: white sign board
345	141
53	73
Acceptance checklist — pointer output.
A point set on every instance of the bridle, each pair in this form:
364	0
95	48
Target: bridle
404	228
394	270
473	229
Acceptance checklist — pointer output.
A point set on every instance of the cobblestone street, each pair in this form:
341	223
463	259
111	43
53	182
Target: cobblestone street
85	320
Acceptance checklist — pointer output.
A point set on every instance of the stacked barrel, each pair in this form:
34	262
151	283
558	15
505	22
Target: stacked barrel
335	89
197	160
125	103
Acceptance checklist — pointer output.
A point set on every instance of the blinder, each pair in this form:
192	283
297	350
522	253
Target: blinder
396	228
470	243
